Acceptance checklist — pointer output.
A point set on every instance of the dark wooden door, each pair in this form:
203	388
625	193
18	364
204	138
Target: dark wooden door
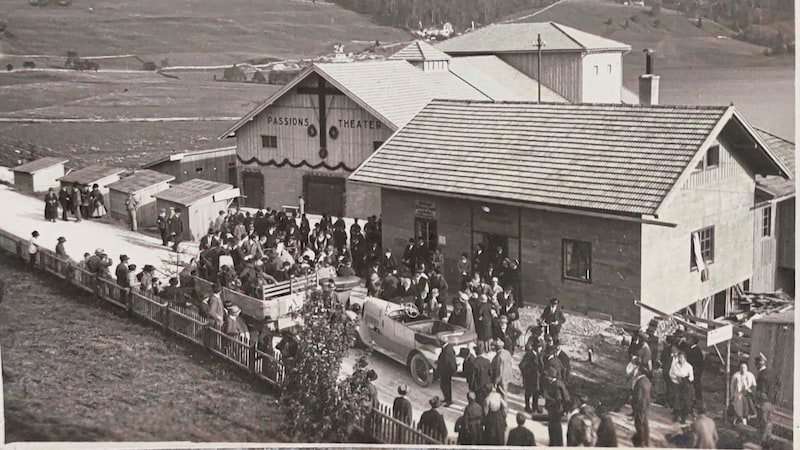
324	194
253	189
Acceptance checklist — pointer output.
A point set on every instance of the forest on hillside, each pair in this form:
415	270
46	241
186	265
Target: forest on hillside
461	14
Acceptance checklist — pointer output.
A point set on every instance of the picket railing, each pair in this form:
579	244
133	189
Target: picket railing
185	322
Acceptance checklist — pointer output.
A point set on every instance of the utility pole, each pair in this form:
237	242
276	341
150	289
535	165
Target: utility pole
539	44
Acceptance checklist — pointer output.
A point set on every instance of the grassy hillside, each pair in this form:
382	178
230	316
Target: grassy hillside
188	32
678	41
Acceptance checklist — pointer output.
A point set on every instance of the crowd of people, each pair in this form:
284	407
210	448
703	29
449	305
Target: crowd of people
79	201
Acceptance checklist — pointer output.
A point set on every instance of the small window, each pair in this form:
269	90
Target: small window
712	157
376	145
577	260
766	221
706	241
426	230
198	169
609	68
269	141
597	70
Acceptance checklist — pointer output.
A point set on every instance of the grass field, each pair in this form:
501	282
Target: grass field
75	370
189	32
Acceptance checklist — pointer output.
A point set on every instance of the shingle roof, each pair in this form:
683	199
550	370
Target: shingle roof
519	37
420	51
90	174
141	179
211	152
39	164
617	158
498	80
778	186
191	191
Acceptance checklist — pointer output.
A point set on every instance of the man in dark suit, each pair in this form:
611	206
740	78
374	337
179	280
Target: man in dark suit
696	358
121	272
566	367
521	436
530	367
556	397
766	390
388	262
640	402
401	408
553	318
176	229
446	367
481	375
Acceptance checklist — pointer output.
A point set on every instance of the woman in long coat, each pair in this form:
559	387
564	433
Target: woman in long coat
86	202
742	385
98	203
51	205
494	421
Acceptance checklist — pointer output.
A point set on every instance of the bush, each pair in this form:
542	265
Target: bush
149	66
28	64
316	406
9	67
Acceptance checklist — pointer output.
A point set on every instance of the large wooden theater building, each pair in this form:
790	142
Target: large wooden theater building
605	205
310	135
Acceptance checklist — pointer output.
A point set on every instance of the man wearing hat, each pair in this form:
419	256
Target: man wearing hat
232	327
556	397
176	229
640	402
552	317
446	367
122	273
171	293
530	368
766	395
162	221
696	358
521	436
481	375
483	320
33	247
495	412
432	423
216	310
61	252
401	408
502	366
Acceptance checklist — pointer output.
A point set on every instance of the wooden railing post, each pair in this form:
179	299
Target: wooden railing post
252	357
165	316
128	300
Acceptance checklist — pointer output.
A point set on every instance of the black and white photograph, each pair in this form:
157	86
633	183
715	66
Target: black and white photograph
421	223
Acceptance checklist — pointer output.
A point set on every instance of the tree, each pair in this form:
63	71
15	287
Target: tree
9	67
72	57
316	405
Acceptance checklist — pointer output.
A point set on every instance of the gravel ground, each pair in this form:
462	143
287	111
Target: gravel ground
77	370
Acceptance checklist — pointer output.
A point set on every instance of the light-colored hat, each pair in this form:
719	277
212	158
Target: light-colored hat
234	310
99	251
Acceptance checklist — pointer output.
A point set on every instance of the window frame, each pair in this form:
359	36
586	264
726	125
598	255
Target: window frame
432	224
704	163
575	243
267	139
708	261
766	221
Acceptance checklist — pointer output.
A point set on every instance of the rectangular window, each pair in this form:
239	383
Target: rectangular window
426	229
597	70
712	157
706	242
766	221
269	141
376	145
609	68
576	260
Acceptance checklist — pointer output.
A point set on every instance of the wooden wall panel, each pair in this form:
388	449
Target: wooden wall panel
560	72
784	232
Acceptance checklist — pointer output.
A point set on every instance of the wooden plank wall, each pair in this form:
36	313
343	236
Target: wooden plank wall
764	253
776	341
784	232
560	72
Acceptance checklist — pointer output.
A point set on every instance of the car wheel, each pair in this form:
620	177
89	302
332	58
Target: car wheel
421	370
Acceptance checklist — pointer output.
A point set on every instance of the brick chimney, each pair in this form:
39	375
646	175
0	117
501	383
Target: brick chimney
648	83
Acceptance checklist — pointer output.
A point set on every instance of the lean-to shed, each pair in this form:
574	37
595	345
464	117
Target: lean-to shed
200	202
39	175
142	184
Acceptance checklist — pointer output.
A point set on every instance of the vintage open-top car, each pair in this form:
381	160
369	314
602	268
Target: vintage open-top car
399	331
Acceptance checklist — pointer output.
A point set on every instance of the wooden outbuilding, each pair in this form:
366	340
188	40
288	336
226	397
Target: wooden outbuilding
216	164
95	174
773	335
39	175
604	206
200	202
142	184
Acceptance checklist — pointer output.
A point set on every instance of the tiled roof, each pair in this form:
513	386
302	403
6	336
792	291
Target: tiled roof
191	191
396	90
141	179
519	37
499	81
39	164
615	158
420	51
90	174
778	186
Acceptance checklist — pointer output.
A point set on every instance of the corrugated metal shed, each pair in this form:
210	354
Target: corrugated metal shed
519	38
419	51
778	186
40	164
499	81
191	191
90	174
140	180
616	158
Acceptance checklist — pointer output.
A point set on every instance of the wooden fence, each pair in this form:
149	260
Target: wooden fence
186	323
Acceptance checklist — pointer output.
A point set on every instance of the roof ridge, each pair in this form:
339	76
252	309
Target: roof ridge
558	26
577	105
761	130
